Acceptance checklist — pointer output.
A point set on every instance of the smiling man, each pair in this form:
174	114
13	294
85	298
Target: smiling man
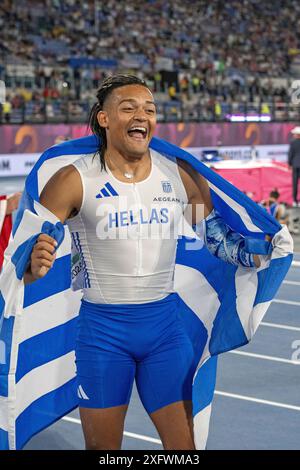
128	327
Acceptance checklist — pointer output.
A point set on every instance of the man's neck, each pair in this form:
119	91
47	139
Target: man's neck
121	164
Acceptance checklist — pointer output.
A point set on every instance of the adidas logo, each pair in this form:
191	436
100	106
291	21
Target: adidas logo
81	393
107	191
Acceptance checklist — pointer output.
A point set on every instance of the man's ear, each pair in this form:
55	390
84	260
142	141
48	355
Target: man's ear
102	119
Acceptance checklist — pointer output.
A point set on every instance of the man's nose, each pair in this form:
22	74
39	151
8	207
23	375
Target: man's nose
140	115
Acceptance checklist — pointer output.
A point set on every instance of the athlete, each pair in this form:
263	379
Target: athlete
128	327
276	209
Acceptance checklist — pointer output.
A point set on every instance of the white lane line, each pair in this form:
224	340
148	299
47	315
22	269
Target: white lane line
258	400
71	420
292	283
126	433
287	302
268	358
142	437
217	392
296	264
282	327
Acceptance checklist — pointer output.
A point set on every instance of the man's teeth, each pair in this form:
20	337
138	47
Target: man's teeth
142	129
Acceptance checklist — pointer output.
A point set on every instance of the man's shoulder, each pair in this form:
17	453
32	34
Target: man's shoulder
184	164
64	186
86	162
66	175
185	168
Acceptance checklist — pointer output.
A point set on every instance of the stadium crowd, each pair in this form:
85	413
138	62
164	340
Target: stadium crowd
217	55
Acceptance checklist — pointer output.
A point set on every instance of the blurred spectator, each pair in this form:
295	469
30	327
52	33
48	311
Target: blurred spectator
6	110
275	208
172	92
196	83
294	162
253	153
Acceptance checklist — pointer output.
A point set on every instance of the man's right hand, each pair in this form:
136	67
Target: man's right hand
58	199
42	256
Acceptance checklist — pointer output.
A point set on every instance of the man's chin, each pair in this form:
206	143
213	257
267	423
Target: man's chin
137	150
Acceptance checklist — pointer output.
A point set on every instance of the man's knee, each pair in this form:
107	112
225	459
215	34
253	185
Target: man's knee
102	440
90	445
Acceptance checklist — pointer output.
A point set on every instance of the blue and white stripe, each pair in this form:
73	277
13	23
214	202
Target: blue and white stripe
221	304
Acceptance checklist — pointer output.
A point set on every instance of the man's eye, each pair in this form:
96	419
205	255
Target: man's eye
152	111
127	109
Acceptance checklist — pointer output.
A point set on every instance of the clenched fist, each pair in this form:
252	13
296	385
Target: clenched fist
42	256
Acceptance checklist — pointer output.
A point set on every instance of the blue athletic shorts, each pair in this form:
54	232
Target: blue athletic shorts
146	342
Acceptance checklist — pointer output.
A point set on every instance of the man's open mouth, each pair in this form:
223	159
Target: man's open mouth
138	132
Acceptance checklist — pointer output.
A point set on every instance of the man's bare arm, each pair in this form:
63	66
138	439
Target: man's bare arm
197	189
198	192
62	195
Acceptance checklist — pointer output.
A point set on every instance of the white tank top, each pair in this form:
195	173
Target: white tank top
126	233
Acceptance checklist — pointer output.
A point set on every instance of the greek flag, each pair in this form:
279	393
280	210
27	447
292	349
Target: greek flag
221	304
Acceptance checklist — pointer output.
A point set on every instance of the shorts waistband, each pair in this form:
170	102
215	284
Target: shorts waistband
119	308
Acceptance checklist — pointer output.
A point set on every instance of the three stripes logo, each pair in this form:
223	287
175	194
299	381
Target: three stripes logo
107	191
81	393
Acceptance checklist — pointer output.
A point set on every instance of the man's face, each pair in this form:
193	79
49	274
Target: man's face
129	116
